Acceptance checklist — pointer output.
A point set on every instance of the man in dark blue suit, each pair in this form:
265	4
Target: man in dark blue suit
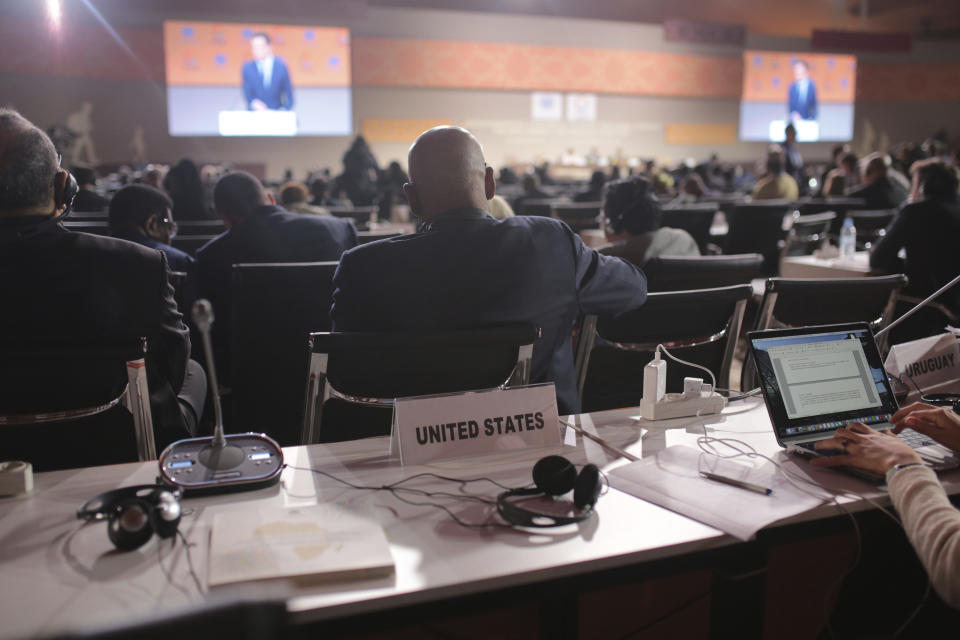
266	80
466	269
802	103
257	231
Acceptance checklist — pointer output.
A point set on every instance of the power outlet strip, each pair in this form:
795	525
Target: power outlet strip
677	405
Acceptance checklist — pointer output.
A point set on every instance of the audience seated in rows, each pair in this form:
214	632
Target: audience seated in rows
927	231
594	191
878	190
293	198
792	159
531	191
633	217
775	185
81	289
142	214
320	194
466	269
845	178
257	231
358	182
87	197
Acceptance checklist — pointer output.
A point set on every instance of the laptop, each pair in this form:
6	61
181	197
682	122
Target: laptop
818	379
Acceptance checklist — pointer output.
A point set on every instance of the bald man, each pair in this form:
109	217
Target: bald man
467	269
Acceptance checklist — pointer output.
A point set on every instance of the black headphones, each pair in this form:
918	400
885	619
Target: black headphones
134	514
70	191
553	476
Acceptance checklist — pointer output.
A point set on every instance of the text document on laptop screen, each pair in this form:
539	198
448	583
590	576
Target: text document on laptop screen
818	378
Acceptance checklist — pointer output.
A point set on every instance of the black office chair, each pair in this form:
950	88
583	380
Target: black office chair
798	302
871	225
89	216
64	406
578	215
361	216
201	227
354	377
191	244
838	204
807	233
759	228
275	308
96	226
699	325
675	273
696	219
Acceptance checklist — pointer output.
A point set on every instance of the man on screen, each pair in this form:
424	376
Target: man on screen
802	103
266	81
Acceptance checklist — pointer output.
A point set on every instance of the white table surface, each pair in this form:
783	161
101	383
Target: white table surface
57	574
813	267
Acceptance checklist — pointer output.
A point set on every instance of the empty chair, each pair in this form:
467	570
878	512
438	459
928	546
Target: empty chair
201	227
66	406
871	224
759	228
696	219
676	273
578	215
99	227
798	302
699	325
354	377
191	244
275	308
361	216
808	232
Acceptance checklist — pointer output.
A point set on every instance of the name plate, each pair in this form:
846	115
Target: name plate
447	426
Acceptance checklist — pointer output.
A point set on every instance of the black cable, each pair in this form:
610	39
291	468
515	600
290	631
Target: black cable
193	572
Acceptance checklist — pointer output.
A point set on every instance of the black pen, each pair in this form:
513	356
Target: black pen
749	486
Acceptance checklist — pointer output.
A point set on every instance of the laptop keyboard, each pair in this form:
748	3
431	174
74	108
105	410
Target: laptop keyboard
916	439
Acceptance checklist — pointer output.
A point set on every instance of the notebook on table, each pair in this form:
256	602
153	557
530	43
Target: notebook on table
818	379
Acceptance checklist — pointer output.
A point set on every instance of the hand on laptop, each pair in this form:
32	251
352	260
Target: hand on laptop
939	423
865	449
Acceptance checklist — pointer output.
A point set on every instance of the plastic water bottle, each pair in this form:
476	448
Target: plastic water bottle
848	239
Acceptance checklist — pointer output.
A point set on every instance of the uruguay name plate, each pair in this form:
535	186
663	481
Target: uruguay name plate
428	428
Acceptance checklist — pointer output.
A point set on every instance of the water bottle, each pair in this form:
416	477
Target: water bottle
848	239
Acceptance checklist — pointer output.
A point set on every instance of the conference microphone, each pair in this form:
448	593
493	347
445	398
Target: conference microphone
220	462
920	305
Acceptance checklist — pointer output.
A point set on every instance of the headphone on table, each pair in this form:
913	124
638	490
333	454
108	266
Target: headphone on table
134	514
553	476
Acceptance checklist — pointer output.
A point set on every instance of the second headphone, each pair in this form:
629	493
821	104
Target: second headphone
553	476
134	514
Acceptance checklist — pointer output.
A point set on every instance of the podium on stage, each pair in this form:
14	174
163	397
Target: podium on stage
258	123
807	130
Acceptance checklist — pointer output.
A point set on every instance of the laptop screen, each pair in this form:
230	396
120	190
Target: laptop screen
817	379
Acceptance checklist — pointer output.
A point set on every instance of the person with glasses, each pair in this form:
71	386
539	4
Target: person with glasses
142	214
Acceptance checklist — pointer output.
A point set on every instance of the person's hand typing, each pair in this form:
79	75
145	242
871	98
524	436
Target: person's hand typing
939	423
865	449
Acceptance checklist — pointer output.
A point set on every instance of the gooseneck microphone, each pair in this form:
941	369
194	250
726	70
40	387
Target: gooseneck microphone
920	305
220	462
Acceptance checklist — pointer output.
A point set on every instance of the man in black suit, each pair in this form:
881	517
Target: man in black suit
87	197
266	79
257	231
802	99
878	190
927	231
466	269
77	289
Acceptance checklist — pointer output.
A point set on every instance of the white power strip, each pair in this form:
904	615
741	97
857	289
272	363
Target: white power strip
656	404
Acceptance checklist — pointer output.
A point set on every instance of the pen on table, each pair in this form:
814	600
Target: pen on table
749	486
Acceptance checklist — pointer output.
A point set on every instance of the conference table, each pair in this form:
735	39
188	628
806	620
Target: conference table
60	574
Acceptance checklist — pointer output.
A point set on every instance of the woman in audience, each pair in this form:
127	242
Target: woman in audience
294	196
931	523
185	188
633	217
594	192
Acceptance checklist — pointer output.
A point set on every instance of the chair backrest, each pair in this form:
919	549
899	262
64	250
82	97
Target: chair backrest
538	207
700	325
190	244
275	308
361	216
363	237
92	216
373	369
178	279
66	406
696	219
797	302
578	215
201	227
758	228
871	225
808	232
676	273
838	204
99	227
